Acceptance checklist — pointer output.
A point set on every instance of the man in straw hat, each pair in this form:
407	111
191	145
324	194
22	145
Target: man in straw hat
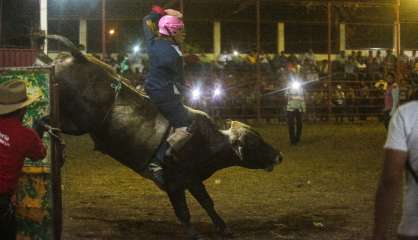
16	143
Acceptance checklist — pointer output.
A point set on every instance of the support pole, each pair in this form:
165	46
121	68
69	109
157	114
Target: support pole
280	37
398	39
44	21
83	33
104	29
342	37
329	58
258	83
216	38
1	22
181	6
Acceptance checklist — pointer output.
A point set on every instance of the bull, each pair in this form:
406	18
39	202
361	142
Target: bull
125	125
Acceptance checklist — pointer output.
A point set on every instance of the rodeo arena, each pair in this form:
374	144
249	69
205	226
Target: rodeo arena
209	119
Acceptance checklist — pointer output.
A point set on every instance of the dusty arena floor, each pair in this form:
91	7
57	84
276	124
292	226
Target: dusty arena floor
323	190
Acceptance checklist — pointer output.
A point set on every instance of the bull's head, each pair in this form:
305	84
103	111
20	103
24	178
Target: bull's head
250	148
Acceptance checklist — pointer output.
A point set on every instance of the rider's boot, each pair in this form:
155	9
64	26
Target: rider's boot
155	167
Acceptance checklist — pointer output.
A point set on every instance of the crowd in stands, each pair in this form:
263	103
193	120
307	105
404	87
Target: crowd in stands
356	89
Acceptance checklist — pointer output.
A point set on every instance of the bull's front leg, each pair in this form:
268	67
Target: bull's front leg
199	192
178	201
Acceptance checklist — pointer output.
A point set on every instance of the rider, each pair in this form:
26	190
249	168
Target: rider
165	83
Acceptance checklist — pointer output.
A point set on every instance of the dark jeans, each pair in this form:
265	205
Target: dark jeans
294	122
7	218
171	107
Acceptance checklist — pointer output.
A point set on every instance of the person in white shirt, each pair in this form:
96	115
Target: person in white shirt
401	149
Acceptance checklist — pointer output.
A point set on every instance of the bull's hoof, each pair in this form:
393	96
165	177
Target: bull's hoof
226	233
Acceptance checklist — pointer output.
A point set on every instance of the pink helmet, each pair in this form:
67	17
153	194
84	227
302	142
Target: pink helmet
170	25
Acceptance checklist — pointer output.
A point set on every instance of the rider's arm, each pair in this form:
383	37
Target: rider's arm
150	24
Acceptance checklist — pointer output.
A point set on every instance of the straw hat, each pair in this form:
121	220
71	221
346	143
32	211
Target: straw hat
13	96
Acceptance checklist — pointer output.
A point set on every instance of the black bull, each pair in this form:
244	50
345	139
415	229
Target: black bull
125	125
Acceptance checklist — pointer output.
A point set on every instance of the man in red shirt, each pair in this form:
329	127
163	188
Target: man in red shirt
16	143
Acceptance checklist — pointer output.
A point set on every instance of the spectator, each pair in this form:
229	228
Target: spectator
379	58
341	58
280	65
389	62
310	57
359	56
295	109
350	69
370	57
400	151
324	96
363	96
391	98
339	100
350	106
374	70
16	143
413	59
225	58
323	68
361	68
403	65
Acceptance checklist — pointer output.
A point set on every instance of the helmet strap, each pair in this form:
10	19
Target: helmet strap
171	35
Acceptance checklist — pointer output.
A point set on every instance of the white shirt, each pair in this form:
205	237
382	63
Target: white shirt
403	136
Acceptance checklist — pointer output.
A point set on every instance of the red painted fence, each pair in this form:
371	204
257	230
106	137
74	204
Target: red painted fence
13	57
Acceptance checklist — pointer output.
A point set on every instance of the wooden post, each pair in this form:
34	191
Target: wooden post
329	58
181	6
1	22
258	93
398	39
44	21
103	29
56	155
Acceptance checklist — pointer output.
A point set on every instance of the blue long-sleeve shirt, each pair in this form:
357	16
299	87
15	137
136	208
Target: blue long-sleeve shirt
165	61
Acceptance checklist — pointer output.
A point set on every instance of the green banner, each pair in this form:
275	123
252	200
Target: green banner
34	196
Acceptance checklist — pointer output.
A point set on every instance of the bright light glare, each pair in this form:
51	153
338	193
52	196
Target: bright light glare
196	93
236	53
136	48
217	92
296	85
112	31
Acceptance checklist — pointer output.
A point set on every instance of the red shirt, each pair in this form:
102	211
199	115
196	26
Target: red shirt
16	143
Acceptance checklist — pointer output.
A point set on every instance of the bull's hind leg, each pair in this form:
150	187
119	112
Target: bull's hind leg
178	201
198	190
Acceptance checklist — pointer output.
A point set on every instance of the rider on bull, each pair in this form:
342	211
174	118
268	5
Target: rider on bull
165	83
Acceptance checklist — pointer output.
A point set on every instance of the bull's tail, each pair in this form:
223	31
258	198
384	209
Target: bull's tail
75	52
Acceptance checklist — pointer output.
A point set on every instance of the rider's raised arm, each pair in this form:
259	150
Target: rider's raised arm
150	24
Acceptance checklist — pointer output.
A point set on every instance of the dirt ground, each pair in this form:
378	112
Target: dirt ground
323	190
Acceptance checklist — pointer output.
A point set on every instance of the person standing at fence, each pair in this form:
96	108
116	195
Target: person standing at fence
391	99
339	101
16	143
389	62
400	150
295	109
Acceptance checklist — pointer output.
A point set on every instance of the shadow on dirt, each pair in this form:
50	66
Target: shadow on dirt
292	226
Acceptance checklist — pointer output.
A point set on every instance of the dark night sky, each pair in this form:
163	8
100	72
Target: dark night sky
305	27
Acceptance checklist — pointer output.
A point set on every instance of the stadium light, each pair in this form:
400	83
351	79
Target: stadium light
196	93
296	85
136	48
